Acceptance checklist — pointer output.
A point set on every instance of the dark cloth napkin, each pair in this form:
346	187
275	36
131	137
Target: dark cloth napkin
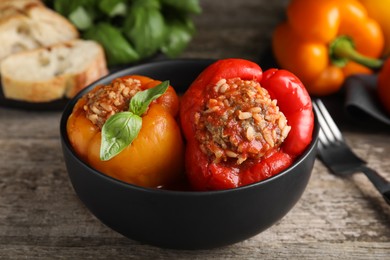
361	100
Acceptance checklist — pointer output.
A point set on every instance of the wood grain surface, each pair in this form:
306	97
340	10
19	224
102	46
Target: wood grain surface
41	217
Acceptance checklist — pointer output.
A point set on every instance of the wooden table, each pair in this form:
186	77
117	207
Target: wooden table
41	217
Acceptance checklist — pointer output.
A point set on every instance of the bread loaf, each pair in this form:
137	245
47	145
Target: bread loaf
28	24
50	73
12	6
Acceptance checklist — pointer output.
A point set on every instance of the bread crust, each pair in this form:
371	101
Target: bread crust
11	7
41	57
28	24
49	73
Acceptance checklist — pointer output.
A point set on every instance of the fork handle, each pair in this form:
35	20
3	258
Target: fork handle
380	183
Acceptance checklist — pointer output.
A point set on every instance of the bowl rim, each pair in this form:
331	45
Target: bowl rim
66	143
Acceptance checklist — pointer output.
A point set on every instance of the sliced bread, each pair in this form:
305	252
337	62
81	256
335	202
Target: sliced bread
50	73
28	24
9	6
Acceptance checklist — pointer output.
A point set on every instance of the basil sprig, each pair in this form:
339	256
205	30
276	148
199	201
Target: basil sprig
120	130
132	30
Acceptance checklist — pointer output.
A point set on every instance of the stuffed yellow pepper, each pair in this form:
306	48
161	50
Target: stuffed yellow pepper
128	130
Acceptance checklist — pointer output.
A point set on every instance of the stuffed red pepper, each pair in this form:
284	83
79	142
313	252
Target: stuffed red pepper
242	125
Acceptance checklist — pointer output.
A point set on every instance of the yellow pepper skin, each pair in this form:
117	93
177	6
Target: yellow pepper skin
380	11
301	44
154	159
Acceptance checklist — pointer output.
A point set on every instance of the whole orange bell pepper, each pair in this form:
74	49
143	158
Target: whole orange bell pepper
380	11
155	156
322	42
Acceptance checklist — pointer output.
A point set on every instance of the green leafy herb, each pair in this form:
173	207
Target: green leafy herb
113	7
132	30
145	28
118	49
66	7
189	6
178	37
80	18
120	130
141	101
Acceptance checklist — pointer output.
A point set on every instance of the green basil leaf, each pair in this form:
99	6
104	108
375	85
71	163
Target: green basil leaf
113	7
187	6
118	50
66	7
118	132
145	28
146	3
141	101
179	35
80	18
134	29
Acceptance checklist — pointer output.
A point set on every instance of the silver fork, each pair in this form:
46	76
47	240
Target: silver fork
338	157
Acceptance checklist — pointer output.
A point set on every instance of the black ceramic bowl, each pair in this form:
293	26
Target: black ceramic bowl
184	219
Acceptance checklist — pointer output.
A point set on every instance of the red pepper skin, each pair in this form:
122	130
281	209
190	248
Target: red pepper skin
293	101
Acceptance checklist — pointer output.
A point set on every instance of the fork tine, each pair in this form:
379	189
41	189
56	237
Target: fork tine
324	128
331	123
329	132
322	138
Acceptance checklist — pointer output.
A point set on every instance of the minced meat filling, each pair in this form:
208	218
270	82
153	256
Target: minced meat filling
110	99
239	121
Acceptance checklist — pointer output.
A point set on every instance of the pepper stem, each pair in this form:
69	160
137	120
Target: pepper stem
342	49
